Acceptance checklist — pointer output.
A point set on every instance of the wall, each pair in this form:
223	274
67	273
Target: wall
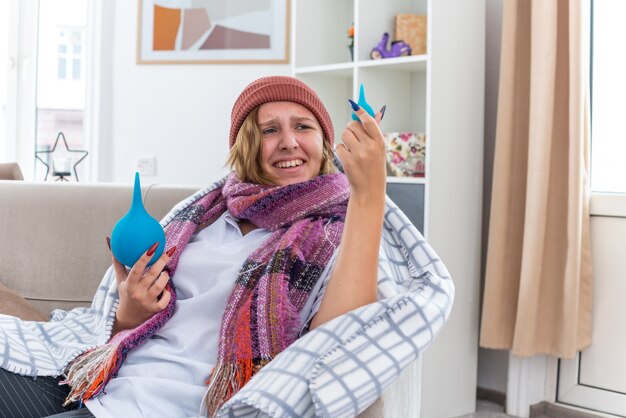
5	15
492	364
178	113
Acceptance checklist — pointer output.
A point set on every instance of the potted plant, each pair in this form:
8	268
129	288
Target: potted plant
351	44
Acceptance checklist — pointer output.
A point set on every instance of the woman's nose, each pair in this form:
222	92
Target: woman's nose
288	141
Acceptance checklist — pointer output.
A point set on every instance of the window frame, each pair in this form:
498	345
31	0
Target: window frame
22	94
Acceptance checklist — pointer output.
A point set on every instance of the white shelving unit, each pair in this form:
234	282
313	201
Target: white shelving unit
441	94
406	180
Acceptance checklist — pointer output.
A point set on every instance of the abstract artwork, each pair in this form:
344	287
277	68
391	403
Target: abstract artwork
213	31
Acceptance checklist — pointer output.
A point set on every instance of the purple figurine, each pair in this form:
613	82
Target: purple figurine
398	49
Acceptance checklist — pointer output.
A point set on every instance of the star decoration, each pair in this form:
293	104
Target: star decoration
61	136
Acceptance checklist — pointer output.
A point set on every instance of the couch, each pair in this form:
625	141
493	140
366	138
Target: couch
53	253
10	171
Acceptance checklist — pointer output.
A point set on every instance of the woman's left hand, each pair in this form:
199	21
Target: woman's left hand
354	277
363	156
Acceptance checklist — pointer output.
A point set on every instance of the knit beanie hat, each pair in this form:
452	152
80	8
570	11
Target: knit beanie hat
279	89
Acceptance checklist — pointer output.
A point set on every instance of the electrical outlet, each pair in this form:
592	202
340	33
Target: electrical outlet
147	166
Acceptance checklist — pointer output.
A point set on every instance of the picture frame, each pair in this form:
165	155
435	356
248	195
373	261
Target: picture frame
213	32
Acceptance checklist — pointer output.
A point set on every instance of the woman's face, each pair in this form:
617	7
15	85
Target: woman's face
293	142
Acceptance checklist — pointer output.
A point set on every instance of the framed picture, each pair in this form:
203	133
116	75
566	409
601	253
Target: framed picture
213	31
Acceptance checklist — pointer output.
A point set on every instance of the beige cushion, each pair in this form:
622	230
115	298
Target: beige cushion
10	171
53	236
13	304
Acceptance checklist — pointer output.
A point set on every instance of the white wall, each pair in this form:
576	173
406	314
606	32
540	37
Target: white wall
178	113
5	15
492	364
493	369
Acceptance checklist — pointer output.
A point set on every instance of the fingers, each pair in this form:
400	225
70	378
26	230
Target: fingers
120	269
137	271
142	293
158	285
349	139
156	273
364	156
342	152
157	267
351	147
165	300
369	123
356	139
357	130
378	117
382	114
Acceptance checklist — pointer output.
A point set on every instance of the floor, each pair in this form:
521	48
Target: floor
486	409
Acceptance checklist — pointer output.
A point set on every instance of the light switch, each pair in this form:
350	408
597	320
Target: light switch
147	166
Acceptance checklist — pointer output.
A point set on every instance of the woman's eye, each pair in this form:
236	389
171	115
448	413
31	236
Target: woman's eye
268	131
302	127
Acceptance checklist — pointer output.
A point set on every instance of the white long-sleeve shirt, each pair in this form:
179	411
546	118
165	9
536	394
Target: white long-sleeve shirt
164	377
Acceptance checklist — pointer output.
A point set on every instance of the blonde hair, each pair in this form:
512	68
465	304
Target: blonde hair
245	155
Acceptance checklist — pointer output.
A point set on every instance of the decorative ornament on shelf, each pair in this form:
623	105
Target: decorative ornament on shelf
351	44
412	29
61	161
406	154
136	232
397	49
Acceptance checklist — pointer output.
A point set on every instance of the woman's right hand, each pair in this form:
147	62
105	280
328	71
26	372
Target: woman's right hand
363	155
139	290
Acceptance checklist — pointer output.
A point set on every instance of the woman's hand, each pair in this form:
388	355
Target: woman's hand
363	156
139	290
354	277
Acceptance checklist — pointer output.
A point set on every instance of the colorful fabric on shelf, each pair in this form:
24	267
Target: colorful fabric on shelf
406	154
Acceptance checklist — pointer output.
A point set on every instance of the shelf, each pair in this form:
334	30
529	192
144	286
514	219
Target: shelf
412	64
406	180
343	69
439	93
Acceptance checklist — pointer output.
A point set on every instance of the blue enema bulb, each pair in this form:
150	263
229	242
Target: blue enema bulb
363	103
136	232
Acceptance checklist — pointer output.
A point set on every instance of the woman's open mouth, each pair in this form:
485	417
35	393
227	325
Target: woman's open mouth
289	164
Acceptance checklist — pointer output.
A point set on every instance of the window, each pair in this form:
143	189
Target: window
61	87
61	68
608	86
69	53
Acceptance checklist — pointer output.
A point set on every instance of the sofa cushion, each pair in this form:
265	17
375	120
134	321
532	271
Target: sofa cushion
15	305
10	171
52	236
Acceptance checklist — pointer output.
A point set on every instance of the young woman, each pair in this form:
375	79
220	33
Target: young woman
245	262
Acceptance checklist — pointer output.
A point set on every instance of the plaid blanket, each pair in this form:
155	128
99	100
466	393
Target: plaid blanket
336	370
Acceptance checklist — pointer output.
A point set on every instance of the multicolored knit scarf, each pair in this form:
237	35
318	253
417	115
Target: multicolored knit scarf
262	314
